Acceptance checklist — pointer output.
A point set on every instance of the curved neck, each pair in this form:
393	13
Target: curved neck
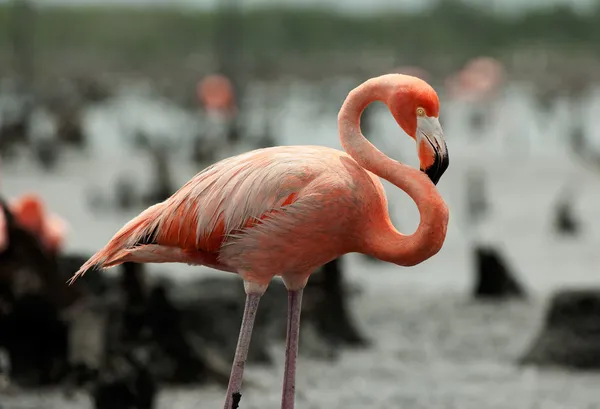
381	239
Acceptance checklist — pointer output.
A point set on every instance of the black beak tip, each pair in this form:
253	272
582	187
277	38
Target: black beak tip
437	169
432	173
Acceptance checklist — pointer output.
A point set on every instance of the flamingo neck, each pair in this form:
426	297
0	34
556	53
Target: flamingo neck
382	240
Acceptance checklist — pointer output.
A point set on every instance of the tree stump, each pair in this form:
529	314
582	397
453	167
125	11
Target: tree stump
565	222
570	336
494	279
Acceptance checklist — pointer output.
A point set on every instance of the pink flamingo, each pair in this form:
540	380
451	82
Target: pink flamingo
3	231
30	213
216	94
480	79
285	211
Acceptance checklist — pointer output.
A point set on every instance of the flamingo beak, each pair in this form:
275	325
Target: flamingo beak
431	146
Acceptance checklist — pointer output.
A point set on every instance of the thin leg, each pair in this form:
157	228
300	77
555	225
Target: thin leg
291	348
232	399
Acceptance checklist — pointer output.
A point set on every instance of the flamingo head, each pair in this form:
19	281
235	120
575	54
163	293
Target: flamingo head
416	107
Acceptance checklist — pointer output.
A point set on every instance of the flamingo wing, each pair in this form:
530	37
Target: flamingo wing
231	195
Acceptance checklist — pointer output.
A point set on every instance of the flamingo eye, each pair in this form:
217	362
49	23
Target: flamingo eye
420	111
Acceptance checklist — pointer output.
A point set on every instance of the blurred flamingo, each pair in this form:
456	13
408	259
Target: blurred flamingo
3	232
479	79
30	213
285	211
216	94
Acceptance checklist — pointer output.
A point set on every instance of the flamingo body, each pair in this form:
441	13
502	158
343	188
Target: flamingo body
237	214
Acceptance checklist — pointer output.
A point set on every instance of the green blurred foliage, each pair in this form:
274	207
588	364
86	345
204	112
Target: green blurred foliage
452	29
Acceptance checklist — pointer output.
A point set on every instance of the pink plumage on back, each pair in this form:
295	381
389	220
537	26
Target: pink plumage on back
236	191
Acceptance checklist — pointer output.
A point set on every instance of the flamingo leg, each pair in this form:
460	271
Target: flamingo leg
253	295
291	348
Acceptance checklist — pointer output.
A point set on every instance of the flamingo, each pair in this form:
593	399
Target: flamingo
216	94
31	214
478	80
287	210
3	231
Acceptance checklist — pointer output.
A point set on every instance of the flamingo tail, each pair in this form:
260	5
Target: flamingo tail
122	247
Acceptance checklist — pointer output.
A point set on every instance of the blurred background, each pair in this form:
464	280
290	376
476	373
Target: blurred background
107	107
